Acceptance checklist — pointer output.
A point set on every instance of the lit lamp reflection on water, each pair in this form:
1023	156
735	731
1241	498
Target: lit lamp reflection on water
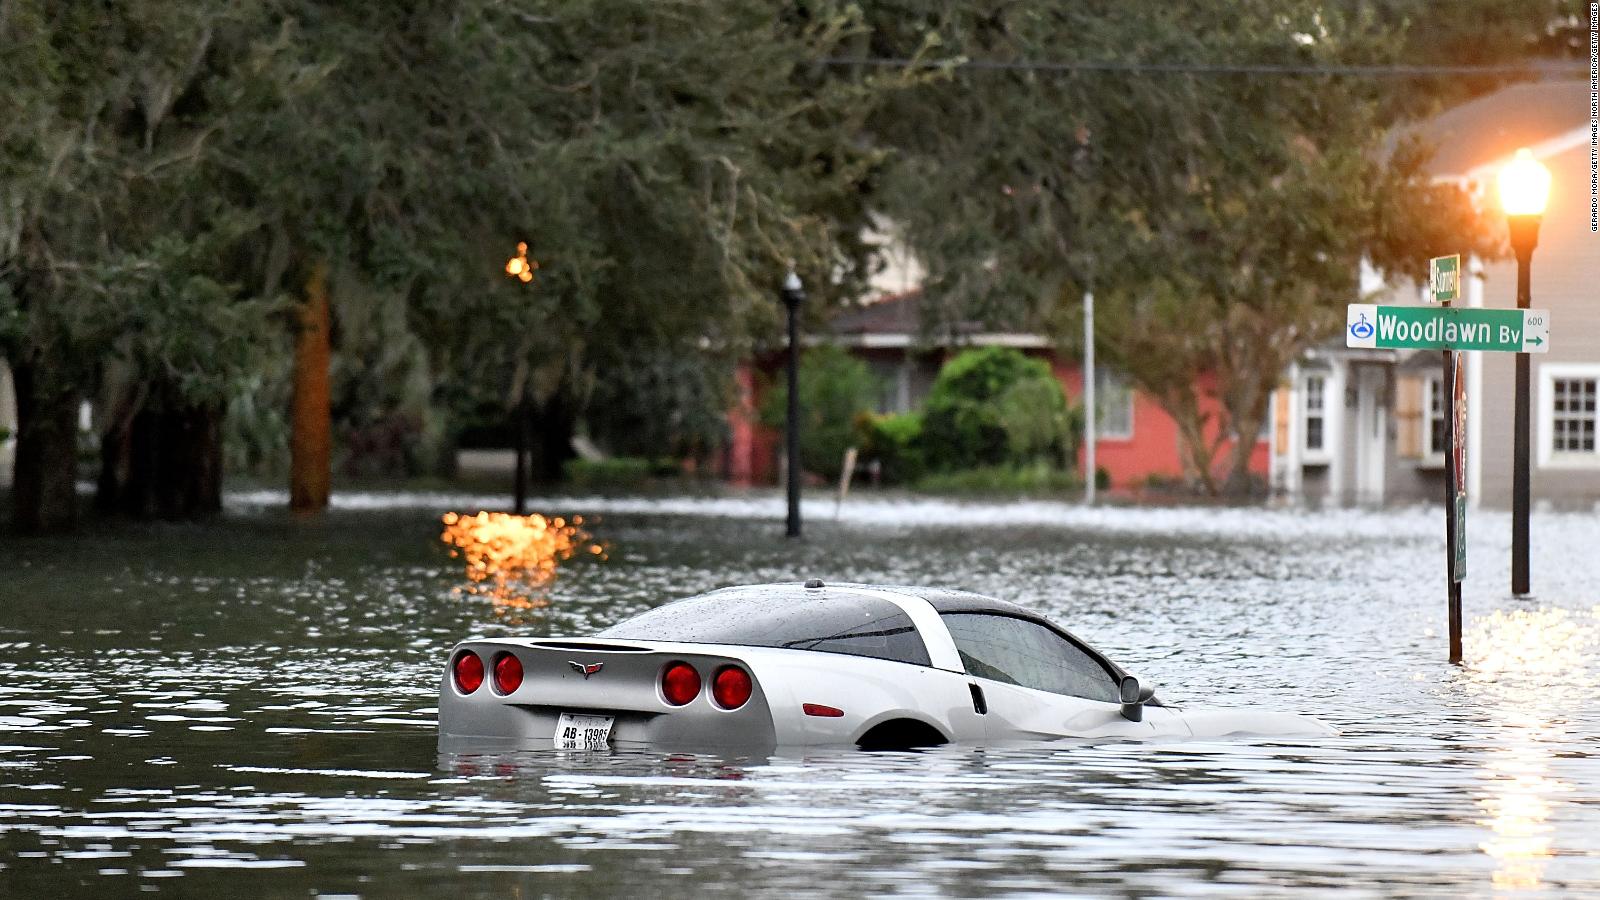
513	559
1532	664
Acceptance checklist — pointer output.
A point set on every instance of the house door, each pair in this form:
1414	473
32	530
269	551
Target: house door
1372	433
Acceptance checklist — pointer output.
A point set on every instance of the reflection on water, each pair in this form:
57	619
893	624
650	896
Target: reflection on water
248	708
1532	664
512	559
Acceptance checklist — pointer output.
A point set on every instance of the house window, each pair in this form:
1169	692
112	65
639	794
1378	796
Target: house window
1316	393
1569	415
1113	401
1437	432
1572	415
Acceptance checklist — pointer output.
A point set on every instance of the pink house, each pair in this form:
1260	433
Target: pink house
1137	443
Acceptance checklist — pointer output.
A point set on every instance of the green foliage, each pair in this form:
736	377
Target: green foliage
994	406
654	400
836	390
895	442
1219	220
614	473
174	167
1033	478
382	386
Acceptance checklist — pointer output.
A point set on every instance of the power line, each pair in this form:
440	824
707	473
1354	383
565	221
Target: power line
1544	69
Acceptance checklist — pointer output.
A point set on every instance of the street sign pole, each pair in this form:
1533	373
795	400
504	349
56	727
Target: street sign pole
1444	286
1455	494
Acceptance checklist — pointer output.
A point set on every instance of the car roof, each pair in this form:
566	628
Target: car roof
944	600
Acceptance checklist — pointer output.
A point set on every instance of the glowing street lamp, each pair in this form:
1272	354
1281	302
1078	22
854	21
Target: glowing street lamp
1524	190
1524	185
520	266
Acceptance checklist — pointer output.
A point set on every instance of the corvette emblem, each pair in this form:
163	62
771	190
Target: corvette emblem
585	670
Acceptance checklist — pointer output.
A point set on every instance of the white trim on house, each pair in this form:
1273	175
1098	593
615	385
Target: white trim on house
1329	399
1370	428
1545	398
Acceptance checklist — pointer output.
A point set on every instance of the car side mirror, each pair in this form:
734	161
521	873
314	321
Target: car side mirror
1132	698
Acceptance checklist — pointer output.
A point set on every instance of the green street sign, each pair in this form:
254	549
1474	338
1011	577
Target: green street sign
1444	279
1447	328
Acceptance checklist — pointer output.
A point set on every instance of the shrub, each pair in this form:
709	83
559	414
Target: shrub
835	390
994	407
1039	477
616	472
895	441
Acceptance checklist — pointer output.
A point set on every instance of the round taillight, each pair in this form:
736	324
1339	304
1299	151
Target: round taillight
680	683
468	671
507	673
731	687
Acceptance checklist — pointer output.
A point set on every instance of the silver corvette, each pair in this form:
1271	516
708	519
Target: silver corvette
781	665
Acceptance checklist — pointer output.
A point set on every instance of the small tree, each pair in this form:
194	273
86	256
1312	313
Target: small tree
995	406
836	390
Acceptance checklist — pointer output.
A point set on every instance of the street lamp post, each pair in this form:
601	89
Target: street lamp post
1524	189
793	294
521	268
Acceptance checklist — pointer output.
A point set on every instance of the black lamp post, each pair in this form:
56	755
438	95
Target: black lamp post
1524	188
793	295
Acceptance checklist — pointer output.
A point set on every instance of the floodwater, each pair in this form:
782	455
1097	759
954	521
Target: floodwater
246	708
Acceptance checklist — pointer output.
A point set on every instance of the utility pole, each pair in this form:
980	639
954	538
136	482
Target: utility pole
1089	424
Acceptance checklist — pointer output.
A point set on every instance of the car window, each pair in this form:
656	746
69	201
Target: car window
1018	651
821	620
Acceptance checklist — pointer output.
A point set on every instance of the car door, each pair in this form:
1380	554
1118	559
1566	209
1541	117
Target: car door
1036	682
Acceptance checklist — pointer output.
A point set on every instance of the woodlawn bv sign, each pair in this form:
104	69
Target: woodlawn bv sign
1447	328
1452	329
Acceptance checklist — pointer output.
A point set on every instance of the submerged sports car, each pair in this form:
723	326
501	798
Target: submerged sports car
814	664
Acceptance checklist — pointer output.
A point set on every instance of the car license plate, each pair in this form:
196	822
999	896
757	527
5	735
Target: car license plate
583	732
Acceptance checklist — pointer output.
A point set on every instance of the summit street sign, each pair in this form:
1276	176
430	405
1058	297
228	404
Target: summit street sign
1447	328
1444	279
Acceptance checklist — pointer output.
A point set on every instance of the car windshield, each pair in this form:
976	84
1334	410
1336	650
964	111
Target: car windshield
823	620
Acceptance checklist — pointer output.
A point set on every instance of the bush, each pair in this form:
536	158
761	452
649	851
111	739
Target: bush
1039	477
996	407
617	472
895	441
835	390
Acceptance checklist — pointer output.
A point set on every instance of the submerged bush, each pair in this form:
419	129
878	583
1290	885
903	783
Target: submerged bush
617	472
1035	478
836	389
894	441
996	407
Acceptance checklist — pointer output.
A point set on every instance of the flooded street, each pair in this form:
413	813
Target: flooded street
247	707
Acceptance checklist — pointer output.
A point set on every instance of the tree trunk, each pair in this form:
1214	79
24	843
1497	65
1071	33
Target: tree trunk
165	463
311	441
1245	423
174	466
45	490
1198	454
1239	482
551	425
